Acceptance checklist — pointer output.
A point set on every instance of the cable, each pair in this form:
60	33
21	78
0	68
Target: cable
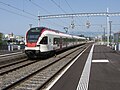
58	6
39	6
17	13
44	10
71	9
17	9
69	5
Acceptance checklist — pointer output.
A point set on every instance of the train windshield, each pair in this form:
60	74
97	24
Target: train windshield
33	35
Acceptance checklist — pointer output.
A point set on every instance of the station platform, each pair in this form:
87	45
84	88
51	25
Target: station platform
98	68
105	74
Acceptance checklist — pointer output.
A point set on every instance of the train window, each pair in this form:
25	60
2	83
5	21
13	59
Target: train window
64	41
56	41
32	37
44	40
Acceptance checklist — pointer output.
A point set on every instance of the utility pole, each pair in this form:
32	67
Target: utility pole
104	35
107	27
38	21
110	22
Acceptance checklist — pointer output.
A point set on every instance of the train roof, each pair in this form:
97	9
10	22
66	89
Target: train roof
41	28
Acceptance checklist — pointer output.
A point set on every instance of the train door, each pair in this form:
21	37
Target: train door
60	42
50	40
66	41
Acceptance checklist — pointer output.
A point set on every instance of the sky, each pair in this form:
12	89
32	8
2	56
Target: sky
17	15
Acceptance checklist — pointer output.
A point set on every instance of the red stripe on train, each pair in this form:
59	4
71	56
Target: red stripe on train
31	44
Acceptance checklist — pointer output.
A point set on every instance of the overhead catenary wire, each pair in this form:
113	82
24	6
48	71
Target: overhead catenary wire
28	12
17	14
62	9
71	9
37	5
17	8
72	25
58	6
20	10
69	6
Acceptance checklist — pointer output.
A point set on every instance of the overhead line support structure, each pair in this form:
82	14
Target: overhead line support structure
106	14
79	15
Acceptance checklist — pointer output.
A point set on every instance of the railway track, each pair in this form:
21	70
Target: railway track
35	75
14	66
11	58
4	55
12	63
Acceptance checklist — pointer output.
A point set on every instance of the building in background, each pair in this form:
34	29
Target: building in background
11	42
117	37
13	39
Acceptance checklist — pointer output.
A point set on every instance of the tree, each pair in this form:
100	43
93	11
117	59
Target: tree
1	35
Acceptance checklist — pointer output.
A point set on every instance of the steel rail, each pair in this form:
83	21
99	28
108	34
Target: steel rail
32	74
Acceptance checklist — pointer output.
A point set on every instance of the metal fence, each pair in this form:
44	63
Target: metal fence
11	47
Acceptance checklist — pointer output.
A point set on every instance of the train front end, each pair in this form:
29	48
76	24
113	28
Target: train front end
32	47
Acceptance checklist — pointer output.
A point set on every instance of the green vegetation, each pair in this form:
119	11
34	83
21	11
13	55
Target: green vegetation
1	35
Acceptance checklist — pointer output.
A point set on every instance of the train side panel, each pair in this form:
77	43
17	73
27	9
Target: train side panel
48	41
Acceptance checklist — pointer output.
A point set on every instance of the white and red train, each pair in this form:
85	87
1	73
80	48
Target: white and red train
41	41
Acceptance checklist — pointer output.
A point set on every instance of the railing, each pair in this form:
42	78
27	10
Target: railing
11	47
